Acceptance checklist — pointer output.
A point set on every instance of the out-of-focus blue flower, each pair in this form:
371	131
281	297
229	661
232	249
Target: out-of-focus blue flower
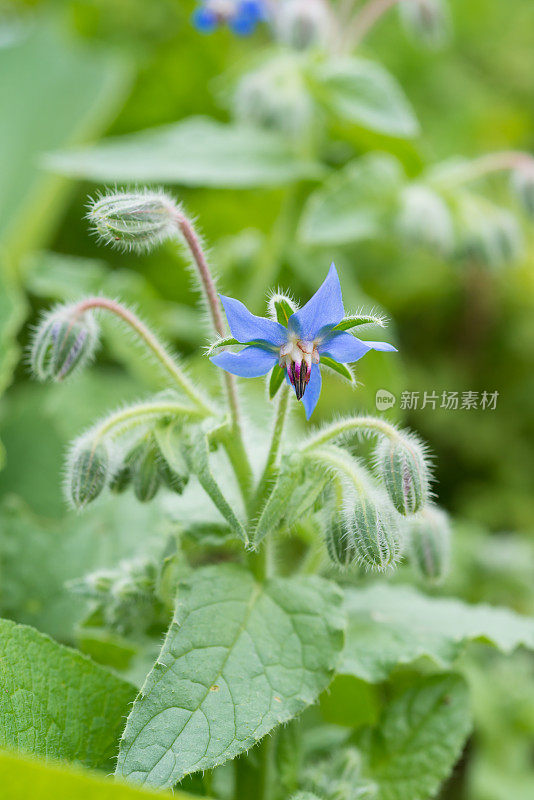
241	16
310	335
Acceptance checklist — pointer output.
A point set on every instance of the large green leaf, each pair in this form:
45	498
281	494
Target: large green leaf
353	204
364	93
23	778
55	702
393	625
195	152
419	739
53	93
239	658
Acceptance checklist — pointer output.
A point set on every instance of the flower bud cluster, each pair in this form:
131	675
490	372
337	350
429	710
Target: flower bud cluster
123	597
63	342
95	464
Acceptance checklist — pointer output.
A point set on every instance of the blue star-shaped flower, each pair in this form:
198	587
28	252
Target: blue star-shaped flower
309	336
241	16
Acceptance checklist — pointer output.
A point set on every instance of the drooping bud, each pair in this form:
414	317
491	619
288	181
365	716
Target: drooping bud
144	461
374	532
339	543
430	543
121	479
173	480
488	234
426	21
303	24
425	219
63	342
133	220
274	97
401	464
88	470
173	466
523	185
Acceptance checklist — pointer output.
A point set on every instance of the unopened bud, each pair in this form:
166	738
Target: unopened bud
64	342
523	185
374	532
488	234
146	470
303	24
274	97
133	221
425	219
87	472
426	21
402	466
121	480
430	543
339	543
173	480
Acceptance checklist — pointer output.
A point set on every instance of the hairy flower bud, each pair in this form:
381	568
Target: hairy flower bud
339	543
430	543
302	24
402	466
426	21
425	219
374	532
120	481
488	234
88	469
523	185
63	342
133	220
145	466
274	97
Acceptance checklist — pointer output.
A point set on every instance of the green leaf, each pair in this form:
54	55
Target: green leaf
419	739
393	625
69	93
341	369
23	778
366	94
239	659
197	455
276	380
353	204
196	152
55	702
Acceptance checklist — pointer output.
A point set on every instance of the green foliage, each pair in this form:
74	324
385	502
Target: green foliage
239	658
24	777
394	625
419	739
197	152
56	703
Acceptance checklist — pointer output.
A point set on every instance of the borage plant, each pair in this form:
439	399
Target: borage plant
257	623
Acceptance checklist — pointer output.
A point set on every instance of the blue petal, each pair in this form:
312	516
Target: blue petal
249	363
345	348
313	390
243	24
204	20
322	312
385	346
246	327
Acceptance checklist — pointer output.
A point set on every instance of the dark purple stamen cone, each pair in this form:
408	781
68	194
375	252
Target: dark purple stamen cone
299	375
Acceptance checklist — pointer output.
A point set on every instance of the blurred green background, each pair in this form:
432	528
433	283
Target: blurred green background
78	70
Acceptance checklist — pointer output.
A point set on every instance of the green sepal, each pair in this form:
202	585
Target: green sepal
225	341
353	320
276	380
283	309
341	369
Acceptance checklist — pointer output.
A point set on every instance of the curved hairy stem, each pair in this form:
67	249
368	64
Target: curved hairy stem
346	427
151	341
